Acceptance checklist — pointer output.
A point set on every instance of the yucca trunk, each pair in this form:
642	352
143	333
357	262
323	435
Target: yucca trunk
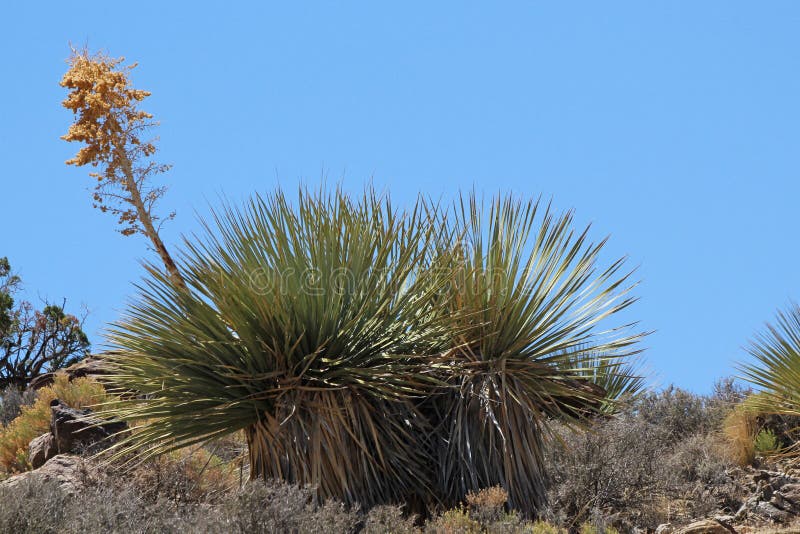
345	445
494	438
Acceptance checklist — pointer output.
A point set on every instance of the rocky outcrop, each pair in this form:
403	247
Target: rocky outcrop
66	469
707	526
72	430
775	497
42	449
768	499
89	366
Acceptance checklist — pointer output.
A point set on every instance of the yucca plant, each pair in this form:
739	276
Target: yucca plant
776	370
379	356
530	308
305	324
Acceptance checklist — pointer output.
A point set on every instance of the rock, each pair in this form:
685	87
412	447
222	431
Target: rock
778	501
65	469
741	513
762	476
42	449
89	366
773	513
791	495
664	528
706	526
74	429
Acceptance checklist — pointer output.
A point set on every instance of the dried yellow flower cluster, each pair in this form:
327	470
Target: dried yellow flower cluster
110	125
105	106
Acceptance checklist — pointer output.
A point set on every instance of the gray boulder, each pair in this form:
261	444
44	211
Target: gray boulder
66	469
75	430
42	449
72	430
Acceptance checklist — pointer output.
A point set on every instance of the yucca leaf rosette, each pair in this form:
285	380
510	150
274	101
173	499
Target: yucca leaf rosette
304	324
535	342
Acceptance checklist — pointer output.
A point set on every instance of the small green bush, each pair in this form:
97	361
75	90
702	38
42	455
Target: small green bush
766	442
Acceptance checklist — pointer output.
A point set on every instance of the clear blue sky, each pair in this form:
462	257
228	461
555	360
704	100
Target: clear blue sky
672	126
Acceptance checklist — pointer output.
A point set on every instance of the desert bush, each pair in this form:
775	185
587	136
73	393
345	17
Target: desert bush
702	458
543	527
591	528
33	506
119	508
270	506
728	392
113	504
677	413
617	465
12	400
38	506
387	518
188	475
631	465
34	420
487	505
454	521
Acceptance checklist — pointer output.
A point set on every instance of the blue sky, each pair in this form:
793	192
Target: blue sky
673	127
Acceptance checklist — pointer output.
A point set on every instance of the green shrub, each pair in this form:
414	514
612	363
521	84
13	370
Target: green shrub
766	442
455	521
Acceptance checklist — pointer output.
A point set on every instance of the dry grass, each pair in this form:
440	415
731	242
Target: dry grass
739	428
